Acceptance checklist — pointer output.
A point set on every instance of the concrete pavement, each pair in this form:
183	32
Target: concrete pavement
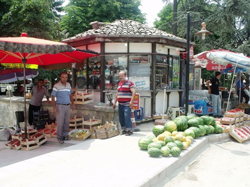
114	162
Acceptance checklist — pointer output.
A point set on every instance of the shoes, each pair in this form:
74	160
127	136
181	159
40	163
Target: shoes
66	138
129	133
124	132
61	141
220	116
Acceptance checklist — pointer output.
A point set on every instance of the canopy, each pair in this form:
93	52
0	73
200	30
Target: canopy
12	75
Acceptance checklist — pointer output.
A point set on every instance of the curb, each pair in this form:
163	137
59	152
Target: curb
165	172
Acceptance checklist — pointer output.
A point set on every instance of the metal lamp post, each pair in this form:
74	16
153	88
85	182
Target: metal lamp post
203	32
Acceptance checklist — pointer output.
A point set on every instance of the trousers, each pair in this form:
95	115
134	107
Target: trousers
62	118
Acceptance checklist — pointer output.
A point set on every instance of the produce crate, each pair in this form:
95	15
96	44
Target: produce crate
50	126
227	121
47	133
41	137
14	144
72	134
83	97
76	122
29	144
112	133
89	124
102	135
231	114
83	136
53	133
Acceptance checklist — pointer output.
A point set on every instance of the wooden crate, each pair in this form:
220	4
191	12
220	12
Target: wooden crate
29	144
83	97
50	126
76	122
89	124
47	133
14	144
102	135
112	133
30	147
84	136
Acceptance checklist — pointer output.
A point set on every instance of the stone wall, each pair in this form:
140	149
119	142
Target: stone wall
8	108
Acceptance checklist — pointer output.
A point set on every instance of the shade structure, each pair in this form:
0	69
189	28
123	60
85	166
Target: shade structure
12	75
202	60
29	50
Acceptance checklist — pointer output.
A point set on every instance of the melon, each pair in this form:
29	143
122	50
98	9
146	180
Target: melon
202	130
161	137
161	142
188	141
193	123
178	137
175	151
155	145
213	122
185	145
211	129
196	131
207	120
181	123
165	151
179	144
201	122
158	129
144	142
170	126
154	152
174	133
168	139
190	137
189	132
171	145
218	129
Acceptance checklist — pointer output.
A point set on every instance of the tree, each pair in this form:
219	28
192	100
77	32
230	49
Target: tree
166	19
79	13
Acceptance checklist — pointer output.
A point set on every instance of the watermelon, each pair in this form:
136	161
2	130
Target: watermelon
193	123
168	139
207	120
202	130
151	136
144	142
208	130
213	122
154	152
189	132
158	129
179	144
181	123
171	145
218	129
196	131
165	151
170	126
190	116
161	142
201	122
175	151
155	145
211	129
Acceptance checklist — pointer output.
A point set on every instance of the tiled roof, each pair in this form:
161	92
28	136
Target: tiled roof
125	28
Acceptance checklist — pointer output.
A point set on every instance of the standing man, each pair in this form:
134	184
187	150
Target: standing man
241	89
61	106
125	96
38	92
214	90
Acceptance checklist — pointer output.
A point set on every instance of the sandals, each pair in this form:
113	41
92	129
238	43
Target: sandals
129	133
61	141
124	132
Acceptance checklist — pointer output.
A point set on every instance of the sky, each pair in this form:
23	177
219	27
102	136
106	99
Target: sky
150	7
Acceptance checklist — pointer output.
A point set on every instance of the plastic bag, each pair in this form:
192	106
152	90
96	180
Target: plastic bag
4	134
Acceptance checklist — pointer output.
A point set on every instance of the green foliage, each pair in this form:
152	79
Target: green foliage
166	18
79	13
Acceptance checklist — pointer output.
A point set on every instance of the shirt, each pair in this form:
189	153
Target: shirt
239	84
124	92
37	96
62	93
215	86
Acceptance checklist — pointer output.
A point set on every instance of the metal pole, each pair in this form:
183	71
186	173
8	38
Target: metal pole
24	61
187	64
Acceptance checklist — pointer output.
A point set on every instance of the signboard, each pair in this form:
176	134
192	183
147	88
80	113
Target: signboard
136	103
176	72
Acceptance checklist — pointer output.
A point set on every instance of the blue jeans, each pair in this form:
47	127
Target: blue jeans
216	102
125	117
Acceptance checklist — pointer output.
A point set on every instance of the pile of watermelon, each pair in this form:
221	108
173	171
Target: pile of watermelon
174	136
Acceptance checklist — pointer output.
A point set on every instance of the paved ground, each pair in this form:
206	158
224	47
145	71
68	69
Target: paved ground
225	164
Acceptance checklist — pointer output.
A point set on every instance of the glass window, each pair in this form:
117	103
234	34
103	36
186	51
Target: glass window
94	71
176	72
114	64
140	71
161	72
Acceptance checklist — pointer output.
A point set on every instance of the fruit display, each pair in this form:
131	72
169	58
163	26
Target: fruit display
169	140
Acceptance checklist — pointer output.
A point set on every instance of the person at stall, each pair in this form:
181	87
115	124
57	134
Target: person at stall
214	91
61	106
37	92
241	90
125	96
19	91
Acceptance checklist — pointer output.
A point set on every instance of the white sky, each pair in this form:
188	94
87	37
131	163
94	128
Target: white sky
150	7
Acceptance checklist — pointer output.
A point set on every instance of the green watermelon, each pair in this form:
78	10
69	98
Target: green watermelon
179	144
155	145
202	130
190	116
213	122
193	123
151	136
196	131
218	129
144	142
154	152
165	151
168	139
158	129
189	132
175	151
211	129
208	130
207	120
181	123
171	144
201	122
161	142
170	126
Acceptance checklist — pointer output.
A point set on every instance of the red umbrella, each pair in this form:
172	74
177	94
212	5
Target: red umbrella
28	50
202	60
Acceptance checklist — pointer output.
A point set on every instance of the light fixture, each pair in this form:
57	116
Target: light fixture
203	32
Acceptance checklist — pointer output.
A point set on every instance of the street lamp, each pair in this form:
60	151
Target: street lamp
203	32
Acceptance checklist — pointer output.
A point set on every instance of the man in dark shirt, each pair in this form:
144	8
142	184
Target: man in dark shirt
214	91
